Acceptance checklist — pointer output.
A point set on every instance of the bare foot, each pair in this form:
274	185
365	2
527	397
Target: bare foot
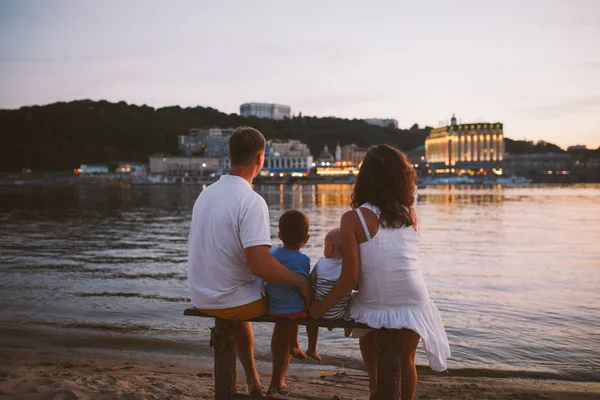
297	353
254	386
313	354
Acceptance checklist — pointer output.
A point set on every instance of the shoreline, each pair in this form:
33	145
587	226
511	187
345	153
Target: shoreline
67	179
141	348
420	185
29	374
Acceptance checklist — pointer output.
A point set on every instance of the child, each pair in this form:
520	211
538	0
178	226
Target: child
323	277
285	301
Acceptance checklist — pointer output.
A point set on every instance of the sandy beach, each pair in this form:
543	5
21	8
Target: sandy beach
32	375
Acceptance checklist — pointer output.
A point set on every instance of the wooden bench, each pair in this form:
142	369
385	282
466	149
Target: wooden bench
222	340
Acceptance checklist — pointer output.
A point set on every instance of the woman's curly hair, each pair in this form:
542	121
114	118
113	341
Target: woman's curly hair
387	180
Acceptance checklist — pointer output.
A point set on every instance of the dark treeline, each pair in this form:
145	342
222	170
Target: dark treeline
542	147
524	147
62	136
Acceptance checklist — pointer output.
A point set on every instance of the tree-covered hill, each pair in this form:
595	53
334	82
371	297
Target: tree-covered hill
524	147
61	136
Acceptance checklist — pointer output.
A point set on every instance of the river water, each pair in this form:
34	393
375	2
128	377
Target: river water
515	272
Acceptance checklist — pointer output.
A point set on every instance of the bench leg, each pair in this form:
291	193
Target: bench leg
223	343
388	364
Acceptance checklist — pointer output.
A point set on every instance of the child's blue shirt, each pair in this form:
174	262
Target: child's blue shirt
286	299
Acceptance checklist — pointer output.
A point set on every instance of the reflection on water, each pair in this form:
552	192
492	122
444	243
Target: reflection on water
457	195
514	271
312	196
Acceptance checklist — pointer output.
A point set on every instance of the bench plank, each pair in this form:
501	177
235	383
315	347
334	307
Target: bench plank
324	323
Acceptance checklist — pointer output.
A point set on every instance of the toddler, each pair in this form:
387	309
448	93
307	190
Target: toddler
324	275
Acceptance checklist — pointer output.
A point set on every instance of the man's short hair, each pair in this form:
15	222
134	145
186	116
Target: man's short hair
293	227
244	144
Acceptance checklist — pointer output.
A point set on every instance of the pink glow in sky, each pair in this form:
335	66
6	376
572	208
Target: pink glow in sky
533	65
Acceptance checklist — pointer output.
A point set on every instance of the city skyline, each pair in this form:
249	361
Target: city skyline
532	65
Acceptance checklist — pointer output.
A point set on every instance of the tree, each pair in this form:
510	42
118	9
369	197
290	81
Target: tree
61	136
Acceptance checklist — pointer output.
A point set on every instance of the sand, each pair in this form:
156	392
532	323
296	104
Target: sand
25	374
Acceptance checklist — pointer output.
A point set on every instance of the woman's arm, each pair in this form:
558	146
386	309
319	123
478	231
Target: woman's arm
350	267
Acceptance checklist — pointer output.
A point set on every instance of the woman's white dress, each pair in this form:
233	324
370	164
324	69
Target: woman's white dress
392	292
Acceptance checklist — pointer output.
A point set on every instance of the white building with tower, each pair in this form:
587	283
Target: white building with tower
472	145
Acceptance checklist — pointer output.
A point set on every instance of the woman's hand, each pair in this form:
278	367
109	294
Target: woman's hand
348	279
315	310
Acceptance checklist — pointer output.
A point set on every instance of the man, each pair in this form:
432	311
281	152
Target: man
229	243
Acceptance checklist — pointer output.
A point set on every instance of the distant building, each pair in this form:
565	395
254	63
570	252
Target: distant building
285	165
211	142
214	131
133	168
579	147
183	166
528	164
384	123
216	146
190	143
281	157
337	169
289	148
472	144
326	156
265	110
593	162
353	153
93	169
338	152
287	157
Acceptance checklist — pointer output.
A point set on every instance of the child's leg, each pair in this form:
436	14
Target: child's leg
295	348
284	335
313	335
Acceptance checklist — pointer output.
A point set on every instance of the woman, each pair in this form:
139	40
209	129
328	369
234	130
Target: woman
380	252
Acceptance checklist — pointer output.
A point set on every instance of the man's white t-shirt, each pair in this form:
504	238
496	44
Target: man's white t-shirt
228	217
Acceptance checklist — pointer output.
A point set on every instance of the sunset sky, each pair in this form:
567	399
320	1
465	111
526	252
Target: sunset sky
533	65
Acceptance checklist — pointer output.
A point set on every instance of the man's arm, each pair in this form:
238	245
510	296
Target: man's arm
262	264
313	276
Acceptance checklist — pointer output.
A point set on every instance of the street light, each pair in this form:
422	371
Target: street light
202	171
